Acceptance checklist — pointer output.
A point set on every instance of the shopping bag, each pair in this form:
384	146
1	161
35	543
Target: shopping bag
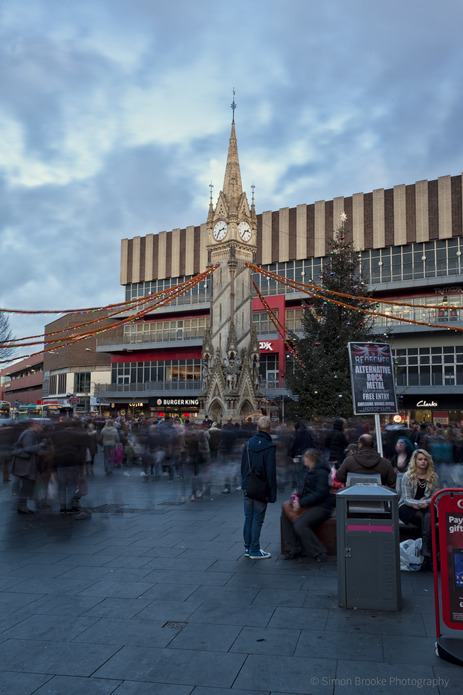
411	559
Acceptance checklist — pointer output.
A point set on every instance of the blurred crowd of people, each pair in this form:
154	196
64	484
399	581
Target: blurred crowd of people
54	461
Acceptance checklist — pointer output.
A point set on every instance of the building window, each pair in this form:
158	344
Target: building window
53	385
436	366
263	323
62	383
82	382
173	371
268	370
293	319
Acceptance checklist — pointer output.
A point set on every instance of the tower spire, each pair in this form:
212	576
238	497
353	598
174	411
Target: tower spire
232	186
233	105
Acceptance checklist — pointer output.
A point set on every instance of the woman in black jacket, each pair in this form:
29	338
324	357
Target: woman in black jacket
313	504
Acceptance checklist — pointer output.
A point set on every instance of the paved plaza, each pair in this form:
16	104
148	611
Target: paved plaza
150	596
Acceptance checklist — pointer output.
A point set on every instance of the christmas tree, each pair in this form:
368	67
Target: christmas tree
321	375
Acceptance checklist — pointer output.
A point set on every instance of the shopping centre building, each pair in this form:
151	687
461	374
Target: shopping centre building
409	240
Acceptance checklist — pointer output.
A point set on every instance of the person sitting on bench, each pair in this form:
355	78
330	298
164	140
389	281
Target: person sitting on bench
367	460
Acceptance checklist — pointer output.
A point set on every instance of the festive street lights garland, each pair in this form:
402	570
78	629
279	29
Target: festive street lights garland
282	332
170	294
307	289
13	343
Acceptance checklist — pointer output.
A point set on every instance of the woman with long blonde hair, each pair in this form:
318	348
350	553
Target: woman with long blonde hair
419	484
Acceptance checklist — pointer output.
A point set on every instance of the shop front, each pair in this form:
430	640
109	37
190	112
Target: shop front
175	406
441	409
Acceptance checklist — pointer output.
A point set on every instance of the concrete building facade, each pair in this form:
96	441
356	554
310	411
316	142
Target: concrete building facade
409	240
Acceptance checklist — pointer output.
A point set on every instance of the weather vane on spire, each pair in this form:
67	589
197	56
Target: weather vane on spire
233	105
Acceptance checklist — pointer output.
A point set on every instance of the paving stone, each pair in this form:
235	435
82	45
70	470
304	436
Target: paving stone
49	627
169	610
206	637
58	685
286	674
120	589
207	578
226	614
280	597
358	646
55	658
136	632
139	688
171	592
391	622
232	595
117	608
298	617
266	640
14	683
57	586
176	666
365	677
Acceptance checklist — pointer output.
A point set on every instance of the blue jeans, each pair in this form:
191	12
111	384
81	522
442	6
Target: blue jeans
254	515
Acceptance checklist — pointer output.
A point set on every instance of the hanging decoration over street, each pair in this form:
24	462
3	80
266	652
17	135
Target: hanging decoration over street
319	292
149	305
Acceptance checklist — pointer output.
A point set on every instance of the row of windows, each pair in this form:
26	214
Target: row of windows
419	313
199	293
414	261
157	331
164	370
178	370
437	258
424	366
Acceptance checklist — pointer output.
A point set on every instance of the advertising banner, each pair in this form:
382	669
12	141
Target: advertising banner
450	518
372	377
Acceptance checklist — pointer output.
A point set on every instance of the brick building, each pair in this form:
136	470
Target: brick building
75	371
21	383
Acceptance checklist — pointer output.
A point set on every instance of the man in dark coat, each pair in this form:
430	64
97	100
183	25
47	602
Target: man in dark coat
367	460
258	454
70	445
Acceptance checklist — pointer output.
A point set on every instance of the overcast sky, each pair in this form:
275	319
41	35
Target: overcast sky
115	118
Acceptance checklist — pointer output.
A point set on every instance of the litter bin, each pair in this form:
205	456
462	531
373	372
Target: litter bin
367	528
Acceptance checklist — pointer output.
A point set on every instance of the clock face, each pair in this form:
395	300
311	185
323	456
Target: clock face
244	231
220	230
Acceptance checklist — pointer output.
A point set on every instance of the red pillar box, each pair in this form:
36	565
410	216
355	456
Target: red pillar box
447	524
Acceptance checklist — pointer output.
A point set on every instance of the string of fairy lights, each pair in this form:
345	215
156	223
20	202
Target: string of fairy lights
149	304
142	306
324	294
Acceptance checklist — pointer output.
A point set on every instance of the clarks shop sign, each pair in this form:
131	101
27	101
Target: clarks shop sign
426	404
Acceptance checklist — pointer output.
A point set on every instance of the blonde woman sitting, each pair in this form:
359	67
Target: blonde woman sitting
419	484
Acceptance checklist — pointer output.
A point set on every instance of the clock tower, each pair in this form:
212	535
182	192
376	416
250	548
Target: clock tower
231	350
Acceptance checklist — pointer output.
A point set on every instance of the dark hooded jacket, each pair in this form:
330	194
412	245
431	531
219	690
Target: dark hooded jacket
262	454
315	490
336	442
367	460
